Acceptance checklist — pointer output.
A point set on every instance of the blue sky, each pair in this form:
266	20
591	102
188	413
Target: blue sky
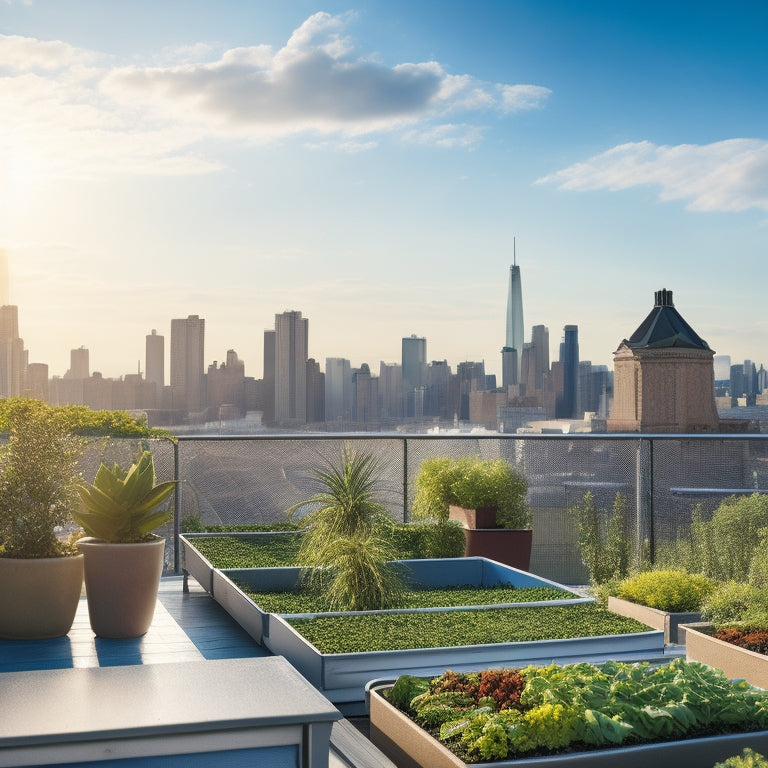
370	164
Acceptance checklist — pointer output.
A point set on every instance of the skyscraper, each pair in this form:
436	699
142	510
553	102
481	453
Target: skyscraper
515	328
565	407
155	362
291	354
414	361
338	390
188	362
12	354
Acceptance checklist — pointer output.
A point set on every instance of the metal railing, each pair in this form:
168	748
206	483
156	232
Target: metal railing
232	480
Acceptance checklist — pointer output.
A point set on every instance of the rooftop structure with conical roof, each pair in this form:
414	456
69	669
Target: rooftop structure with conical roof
664	376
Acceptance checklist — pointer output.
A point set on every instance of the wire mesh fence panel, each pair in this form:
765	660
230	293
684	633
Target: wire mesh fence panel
698	475
257	481
241	481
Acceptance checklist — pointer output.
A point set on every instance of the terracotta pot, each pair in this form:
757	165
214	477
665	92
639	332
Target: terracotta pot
39	596
482	517
121	583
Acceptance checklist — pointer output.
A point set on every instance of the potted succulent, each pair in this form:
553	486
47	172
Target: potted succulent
123	558
487	496
41	575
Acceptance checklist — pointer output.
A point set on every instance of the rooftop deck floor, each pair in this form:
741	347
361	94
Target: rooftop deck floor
188	626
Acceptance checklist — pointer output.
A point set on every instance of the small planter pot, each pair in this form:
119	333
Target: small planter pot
409	746
485	539
39	596
653	617
121	583
736	662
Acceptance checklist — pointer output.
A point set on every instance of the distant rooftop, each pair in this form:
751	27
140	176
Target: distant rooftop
665	327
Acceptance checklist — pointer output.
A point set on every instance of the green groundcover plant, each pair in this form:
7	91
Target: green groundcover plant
411	541
501	714
311	602
395	632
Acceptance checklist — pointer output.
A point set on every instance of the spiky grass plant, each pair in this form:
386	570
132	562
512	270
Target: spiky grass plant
345	545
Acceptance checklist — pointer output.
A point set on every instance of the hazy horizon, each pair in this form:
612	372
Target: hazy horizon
369	165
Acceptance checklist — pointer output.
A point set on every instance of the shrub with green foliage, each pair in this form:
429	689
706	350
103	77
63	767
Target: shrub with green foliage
38	478
425	540
81	420
675	591
735	601
472	483
603	538
723	546
747	759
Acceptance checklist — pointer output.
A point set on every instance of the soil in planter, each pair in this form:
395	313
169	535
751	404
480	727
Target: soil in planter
445	597
751	639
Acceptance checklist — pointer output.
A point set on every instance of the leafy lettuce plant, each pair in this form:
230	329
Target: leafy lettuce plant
123	505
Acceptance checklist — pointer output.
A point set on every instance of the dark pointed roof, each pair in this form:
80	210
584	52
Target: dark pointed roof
665	327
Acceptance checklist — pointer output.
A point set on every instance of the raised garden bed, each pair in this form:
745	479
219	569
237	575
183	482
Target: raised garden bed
619	717
666	621
231	587
736	662
326	649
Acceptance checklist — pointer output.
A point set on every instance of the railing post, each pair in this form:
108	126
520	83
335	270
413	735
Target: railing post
176	509
405	480
644	501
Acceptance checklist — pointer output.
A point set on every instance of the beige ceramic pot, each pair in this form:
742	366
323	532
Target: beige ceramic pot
39	596
121	583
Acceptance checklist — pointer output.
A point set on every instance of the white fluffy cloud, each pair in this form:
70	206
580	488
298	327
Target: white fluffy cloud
727	175
69	111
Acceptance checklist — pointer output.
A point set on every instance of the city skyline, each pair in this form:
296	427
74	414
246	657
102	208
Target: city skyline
370	165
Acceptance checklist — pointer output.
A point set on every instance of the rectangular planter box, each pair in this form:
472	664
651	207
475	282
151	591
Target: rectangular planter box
342	677
474	571
408	745
198	566
663	620
736	663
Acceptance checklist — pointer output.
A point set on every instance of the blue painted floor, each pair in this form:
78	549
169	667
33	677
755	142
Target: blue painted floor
186	627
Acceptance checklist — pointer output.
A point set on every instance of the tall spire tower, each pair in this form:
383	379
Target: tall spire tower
515	328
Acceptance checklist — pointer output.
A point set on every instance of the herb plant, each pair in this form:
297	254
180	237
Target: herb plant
38	475
603	538
472	483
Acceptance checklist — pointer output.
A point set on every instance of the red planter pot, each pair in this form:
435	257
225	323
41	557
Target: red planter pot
510	546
